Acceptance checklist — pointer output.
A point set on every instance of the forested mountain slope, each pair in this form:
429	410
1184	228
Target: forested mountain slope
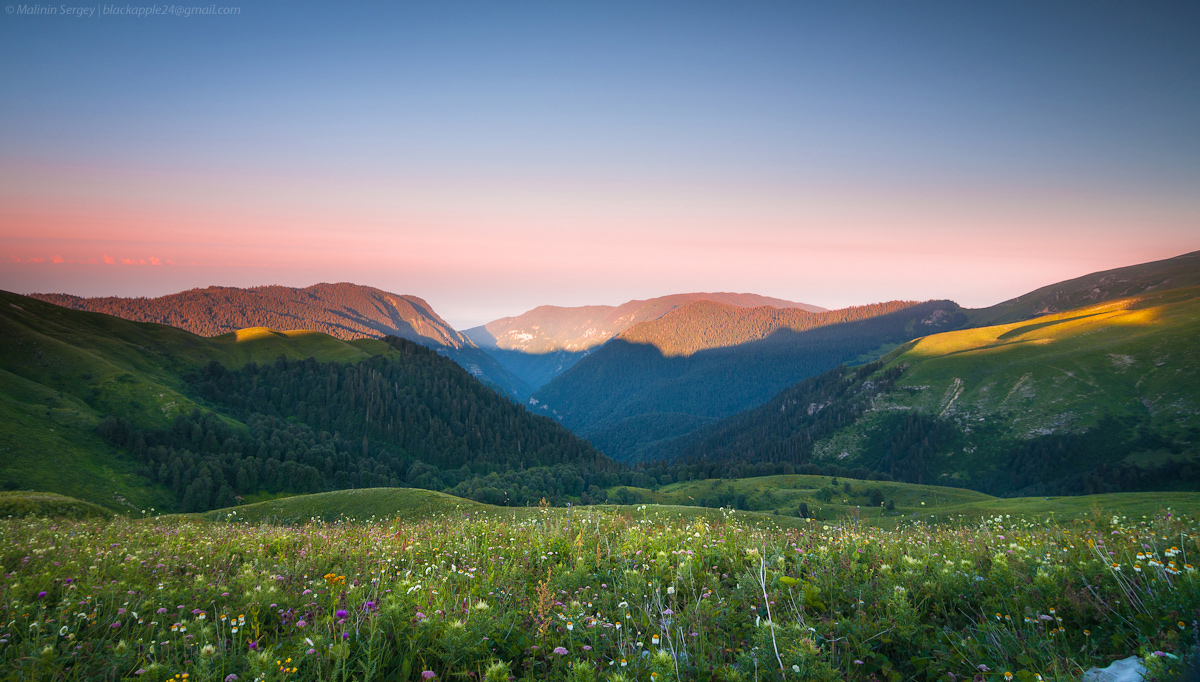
1098	399
132	415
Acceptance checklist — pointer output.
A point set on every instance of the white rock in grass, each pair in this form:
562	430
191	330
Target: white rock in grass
1126	670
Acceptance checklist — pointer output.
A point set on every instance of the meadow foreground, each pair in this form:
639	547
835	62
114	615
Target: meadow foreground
590	594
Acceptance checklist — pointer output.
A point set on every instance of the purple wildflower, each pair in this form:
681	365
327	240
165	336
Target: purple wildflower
561	651
428	675
231	677
300	623
341	613
41	594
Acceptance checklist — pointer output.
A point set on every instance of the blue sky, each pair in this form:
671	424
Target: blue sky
494	156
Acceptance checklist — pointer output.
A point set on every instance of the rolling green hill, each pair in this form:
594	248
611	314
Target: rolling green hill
134	416
22	503
770	499
1095	399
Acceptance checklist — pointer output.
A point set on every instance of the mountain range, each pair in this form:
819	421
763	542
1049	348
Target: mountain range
663	378
344	311
544	342
1087	385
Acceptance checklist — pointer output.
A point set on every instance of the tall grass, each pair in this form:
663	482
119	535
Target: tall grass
592	595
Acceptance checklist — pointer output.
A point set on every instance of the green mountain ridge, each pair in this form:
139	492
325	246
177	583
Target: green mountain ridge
1095	399
132	416
1097	287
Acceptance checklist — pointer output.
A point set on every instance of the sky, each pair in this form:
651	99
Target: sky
494	156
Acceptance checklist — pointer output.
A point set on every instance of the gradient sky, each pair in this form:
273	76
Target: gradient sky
494	156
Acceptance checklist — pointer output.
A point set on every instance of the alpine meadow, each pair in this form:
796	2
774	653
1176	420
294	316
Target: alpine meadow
616	342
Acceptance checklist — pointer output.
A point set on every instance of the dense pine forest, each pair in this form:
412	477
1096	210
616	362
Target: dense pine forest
414	420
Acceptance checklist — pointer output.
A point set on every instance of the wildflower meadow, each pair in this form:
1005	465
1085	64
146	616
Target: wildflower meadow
594	594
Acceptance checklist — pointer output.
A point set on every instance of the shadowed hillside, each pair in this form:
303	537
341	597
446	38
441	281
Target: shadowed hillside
546	341
628	396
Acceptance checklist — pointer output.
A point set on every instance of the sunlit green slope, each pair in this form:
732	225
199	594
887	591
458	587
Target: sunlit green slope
1096	399
1135	357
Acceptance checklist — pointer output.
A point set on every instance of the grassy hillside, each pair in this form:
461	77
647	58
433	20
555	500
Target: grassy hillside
772	500
1094	399
826	498
629	396
1097	287
24	503
107	410
362	504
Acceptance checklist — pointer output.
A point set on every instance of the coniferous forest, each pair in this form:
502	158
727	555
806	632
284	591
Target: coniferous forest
412	418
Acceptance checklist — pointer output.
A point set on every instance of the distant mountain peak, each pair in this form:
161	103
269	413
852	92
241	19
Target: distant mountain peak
541	343
343	310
